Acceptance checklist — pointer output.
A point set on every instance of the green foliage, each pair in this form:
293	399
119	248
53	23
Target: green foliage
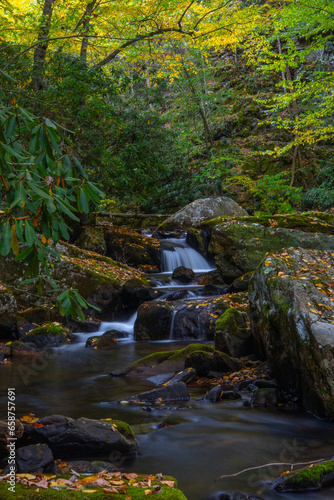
275	195
41	188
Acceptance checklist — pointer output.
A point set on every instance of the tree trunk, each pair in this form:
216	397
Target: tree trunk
40	51
85	23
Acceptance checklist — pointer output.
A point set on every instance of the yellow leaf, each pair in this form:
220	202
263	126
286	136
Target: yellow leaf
15	241
314	311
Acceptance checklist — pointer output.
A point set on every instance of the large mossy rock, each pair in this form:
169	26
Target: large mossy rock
291	311
82	438
98	278
160	363
8	314
232	333
216	362
202	210
130	247
239	244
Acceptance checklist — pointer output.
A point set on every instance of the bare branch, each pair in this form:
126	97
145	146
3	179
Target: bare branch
211	12
184	13
275	463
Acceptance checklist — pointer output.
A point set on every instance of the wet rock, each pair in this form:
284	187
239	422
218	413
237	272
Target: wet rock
8	314
178	295
265	384
199	240
153	321
4	435
185	376
82	438
201	210
215	290
291	315
135	292
211	278
107	340
50	335
241	284
23	349
204	362
265	397
308	479
128	246
219	392
171	393
221	495
35	458
232	333
85	467
183	274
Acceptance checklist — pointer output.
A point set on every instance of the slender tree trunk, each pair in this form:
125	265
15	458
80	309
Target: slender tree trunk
295	113
85	24
40	51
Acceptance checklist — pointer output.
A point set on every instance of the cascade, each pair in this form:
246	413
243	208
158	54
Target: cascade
179	253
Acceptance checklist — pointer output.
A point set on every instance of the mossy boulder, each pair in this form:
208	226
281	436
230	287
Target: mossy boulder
128	246
8	314
92	239
232	333
153	321
164	362
18	349
201	210
135	292
51	335
291	312
89	438
310	478
215	362
238	247
98	278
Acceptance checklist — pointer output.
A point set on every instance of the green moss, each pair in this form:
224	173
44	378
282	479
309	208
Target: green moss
230	320
15	343
312	222
51	329
124	429
28	493
178	355
309	478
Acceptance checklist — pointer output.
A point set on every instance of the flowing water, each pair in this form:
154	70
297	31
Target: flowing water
183	255
196	442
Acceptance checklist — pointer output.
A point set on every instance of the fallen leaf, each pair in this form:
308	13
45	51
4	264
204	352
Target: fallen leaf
168	483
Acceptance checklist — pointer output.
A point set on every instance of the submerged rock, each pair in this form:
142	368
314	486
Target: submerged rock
292	309
201	210
107	340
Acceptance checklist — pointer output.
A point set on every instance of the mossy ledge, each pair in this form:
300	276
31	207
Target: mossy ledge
25	492
311	478
310	222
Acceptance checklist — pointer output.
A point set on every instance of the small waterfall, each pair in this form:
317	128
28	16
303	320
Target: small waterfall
179	253
171	334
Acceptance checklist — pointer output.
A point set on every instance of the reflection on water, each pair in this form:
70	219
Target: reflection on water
202	441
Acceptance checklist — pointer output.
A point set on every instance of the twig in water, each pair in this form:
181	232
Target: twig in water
275	463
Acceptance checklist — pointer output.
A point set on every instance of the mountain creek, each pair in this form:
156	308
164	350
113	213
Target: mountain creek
196	440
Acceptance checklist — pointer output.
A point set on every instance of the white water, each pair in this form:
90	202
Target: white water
122	326
183	255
